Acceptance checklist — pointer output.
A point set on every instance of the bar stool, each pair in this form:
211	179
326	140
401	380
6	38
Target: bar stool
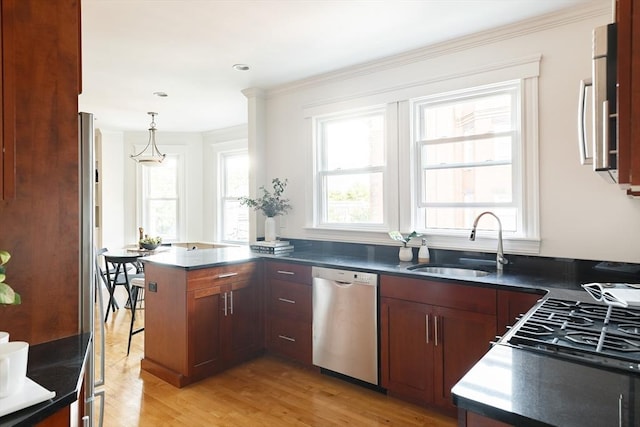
137	297
120	276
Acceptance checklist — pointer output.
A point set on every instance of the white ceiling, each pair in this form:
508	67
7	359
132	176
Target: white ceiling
186	48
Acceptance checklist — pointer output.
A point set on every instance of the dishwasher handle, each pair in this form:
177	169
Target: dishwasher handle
342	284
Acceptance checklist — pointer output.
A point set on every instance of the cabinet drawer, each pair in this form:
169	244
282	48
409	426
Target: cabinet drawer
288	272
444	294
219	276
290	299
290	338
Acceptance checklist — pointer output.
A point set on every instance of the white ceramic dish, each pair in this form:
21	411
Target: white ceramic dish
31	394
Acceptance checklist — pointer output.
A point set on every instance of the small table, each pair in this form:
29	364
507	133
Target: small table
120	259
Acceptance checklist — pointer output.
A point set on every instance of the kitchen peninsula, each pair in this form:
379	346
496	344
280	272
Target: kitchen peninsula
202	312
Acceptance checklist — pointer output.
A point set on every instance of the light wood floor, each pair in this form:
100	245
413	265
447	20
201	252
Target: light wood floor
267	391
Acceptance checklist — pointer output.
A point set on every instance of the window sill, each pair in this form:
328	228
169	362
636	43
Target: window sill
483	243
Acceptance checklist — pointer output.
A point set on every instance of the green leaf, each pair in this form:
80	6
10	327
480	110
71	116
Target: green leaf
8	296
4	257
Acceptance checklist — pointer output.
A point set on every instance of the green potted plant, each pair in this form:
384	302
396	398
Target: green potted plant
7	295
271	204
405	253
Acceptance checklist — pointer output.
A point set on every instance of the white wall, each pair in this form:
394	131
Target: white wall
120	225
112	183
581	216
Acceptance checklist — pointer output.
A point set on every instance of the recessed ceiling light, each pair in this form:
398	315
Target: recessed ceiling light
241	67
161	94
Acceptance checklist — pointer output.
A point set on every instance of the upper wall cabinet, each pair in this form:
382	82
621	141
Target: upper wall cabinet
628	18
8	104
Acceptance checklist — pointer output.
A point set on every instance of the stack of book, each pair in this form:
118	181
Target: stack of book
277	247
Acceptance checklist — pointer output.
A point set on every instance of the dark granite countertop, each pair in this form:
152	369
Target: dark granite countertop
524	388
208	258
202	258
57	366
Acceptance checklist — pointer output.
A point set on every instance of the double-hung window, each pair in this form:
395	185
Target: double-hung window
161	200
351	170
234	183
468	151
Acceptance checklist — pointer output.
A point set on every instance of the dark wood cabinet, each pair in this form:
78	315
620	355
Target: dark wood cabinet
431	334
204	353
243	321
462	338
202	321
628	64
407	353
289	308
8	104
513	304
39	188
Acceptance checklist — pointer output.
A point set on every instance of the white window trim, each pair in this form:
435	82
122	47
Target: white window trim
526	68
527	190
232	148
218	149
180	152
389	170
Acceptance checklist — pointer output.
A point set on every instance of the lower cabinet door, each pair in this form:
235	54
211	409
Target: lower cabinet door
244	330
406	349
461	339
204	356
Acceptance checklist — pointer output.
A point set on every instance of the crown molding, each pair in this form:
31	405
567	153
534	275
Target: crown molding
518	29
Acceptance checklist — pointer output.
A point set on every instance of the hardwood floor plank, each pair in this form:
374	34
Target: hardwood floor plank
268	391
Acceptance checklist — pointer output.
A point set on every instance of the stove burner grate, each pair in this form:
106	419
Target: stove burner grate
597	333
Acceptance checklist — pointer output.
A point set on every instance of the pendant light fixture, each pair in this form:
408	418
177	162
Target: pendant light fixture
150	155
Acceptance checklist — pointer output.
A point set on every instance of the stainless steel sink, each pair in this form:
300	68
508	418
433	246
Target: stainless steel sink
448	271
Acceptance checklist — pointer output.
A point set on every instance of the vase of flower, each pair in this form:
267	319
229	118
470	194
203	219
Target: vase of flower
405	254
271	204
269	229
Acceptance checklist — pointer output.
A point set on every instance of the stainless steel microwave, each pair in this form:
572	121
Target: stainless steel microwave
597	111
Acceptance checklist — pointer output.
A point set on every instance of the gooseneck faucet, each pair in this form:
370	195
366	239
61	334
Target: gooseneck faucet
500	259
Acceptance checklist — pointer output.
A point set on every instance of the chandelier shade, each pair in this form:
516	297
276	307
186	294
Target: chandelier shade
150	155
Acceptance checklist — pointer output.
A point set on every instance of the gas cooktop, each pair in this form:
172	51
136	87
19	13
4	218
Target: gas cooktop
592	333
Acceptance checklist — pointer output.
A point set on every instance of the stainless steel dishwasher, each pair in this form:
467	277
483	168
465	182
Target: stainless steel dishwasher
345	322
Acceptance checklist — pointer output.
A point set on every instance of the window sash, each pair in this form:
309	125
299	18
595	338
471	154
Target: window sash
148	220
226	200
373	171
423	202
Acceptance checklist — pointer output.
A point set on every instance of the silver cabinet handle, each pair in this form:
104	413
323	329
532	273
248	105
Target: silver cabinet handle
290	301
582	130
620	398
231	303
224	276
98	395
284	337
435	328
426	327
290	273
606	164
225	303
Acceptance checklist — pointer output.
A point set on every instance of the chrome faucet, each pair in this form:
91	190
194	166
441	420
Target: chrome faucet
500	259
